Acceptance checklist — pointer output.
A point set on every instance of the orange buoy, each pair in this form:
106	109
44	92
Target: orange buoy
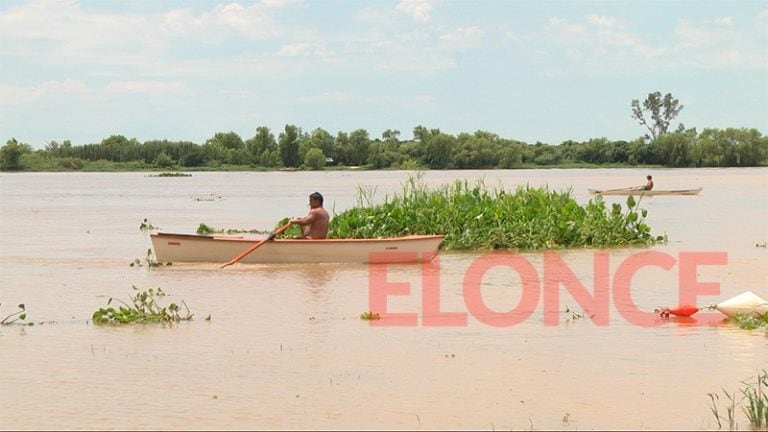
684	311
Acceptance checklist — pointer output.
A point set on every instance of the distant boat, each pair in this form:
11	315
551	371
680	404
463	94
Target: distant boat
185	248
640	191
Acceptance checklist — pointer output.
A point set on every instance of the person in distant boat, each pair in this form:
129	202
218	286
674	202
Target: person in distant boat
649	184
315	224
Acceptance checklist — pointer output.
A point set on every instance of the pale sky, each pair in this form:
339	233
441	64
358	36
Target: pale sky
540	70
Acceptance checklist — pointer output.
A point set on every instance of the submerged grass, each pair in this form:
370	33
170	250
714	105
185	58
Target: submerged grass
477	217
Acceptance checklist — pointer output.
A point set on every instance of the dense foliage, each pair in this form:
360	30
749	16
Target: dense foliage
429	149
476	217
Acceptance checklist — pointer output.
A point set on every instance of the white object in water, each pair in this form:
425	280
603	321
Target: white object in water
747	302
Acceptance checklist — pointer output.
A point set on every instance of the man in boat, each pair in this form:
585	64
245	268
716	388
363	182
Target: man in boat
315	224
649	185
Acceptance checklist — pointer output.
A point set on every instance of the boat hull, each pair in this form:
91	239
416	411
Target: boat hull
645	192
192	248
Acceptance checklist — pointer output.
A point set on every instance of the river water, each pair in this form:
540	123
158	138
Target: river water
285	349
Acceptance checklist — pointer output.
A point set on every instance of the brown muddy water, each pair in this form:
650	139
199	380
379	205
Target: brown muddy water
285	348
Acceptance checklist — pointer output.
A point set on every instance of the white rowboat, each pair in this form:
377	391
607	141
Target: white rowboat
631	191
191	248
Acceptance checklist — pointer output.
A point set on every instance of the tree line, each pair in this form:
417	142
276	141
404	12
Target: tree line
429	149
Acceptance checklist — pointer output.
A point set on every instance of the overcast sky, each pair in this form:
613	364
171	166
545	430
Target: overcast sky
540	70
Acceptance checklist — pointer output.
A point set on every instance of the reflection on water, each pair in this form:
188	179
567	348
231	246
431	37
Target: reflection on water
285	347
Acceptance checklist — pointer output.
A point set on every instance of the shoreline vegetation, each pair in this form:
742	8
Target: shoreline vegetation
294	150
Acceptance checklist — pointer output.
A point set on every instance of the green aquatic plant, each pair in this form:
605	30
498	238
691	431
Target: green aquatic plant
730	410
574	315
209	197
146	225
204	229
750	321
368	315
294	231
19	315
171	174
143	308
755	394
150	260
473	216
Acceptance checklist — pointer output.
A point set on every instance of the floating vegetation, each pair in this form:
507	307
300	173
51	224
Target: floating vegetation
573	315
755	394
204	229
476	217
209	197
147	226
171	174
762	245
368	315
143	308
19	315
149	260
294	231
750	321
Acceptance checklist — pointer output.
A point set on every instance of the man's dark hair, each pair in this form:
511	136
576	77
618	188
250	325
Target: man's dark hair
317	196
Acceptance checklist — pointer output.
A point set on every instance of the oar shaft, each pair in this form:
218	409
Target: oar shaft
257	245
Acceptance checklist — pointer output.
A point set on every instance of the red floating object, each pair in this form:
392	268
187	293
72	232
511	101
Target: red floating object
684	310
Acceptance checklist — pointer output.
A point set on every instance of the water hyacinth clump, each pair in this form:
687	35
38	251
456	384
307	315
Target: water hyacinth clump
143	308
475	217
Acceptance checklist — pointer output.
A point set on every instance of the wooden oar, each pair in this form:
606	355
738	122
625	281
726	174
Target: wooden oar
257	245
621	189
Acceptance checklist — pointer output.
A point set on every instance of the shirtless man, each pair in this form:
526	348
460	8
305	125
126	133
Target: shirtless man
315	223
649	184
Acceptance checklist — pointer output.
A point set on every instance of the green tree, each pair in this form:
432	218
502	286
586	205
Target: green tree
10	155
270	158
510	154
321	139
439	150
730	147
390	135
55	149
118	148
359	146
227	140
662	111
341	148
314	159
263	140
193	157
163	160
288	142
474	151
674	149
